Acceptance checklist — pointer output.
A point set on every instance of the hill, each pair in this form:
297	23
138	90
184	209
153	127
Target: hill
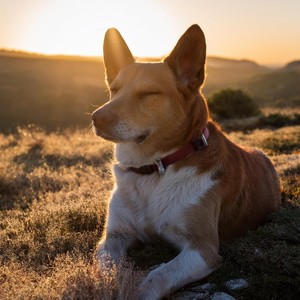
59	91
277	88
223	73
51	91
293	65
24	54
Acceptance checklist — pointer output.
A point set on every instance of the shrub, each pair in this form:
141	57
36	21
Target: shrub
231	103
281	145
279	120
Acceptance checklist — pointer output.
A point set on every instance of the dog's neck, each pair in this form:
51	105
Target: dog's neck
130	156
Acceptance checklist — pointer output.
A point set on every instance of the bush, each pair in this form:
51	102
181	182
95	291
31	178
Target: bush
230	103
279	120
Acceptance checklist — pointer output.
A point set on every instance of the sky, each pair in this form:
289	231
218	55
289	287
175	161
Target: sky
266	31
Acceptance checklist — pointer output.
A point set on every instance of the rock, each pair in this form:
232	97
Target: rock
188	295
194	292
221	296
207	286
258	252
237	284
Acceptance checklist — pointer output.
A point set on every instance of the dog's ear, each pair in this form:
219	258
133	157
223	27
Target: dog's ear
116	54
187	59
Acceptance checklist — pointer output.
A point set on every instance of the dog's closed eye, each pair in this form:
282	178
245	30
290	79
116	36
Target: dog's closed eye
144	94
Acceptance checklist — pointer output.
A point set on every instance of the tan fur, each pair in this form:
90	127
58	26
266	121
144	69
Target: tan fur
249	187
162	103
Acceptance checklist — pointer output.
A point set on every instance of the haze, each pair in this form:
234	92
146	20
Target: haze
267	32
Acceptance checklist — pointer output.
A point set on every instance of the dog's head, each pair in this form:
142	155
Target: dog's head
153	103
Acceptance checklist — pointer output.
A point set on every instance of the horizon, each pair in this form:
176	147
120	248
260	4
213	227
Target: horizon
138	58
266	33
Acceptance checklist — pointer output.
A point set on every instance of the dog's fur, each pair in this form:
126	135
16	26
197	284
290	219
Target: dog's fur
210	197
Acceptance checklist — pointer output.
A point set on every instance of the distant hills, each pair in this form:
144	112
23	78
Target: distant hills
59	91
50	91
294	65
269	87
224	73
278	88
23	54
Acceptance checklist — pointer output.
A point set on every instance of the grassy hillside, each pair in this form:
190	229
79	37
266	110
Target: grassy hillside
54	189
60	91
223	73
54	185
53	92
279	88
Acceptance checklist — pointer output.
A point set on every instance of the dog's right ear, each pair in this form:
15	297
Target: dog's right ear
116	54
187	59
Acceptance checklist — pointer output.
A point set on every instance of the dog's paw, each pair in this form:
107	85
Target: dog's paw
153	287
105	260
146	295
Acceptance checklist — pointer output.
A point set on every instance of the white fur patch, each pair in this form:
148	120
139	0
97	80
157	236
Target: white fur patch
157	204
128	155
144	207
187	267
125	130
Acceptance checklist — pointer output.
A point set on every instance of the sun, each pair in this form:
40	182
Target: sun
66	27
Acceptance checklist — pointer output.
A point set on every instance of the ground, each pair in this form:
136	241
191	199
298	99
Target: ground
54	188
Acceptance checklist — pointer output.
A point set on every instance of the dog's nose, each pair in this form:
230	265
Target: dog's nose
102	117
94	118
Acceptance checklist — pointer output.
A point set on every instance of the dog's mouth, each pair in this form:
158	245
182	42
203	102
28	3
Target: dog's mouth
140	138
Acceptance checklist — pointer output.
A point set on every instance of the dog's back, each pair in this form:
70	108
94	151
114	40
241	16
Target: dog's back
250	188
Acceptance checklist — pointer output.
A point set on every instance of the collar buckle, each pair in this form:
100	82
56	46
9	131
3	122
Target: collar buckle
204	140
200	143
160	167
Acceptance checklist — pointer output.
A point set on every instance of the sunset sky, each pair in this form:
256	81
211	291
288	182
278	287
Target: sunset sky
267	31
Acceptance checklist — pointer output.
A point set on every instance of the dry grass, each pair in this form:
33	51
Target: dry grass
53	193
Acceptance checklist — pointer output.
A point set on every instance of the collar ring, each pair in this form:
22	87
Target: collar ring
160	167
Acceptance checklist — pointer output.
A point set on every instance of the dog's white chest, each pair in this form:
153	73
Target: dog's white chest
156	205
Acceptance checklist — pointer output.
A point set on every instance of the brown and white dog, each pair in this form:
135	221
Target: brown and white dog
178	177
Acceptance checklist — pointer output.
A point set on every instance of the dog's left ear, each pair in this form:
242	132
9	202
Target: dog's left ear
187	59
116	54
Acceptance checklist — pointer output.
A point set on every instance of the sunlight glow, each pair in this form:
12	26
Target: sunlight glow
266	31
65	27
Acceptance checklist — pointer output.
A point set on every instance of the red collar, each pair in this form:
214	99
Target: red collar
160	165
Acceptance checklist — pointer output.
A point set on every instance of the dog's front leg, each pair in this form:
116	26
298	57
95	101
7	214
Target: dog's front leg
113	247
118	236
187	267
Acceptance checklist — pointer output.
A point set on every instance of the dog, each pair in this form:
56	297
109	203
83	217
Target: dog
178	177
